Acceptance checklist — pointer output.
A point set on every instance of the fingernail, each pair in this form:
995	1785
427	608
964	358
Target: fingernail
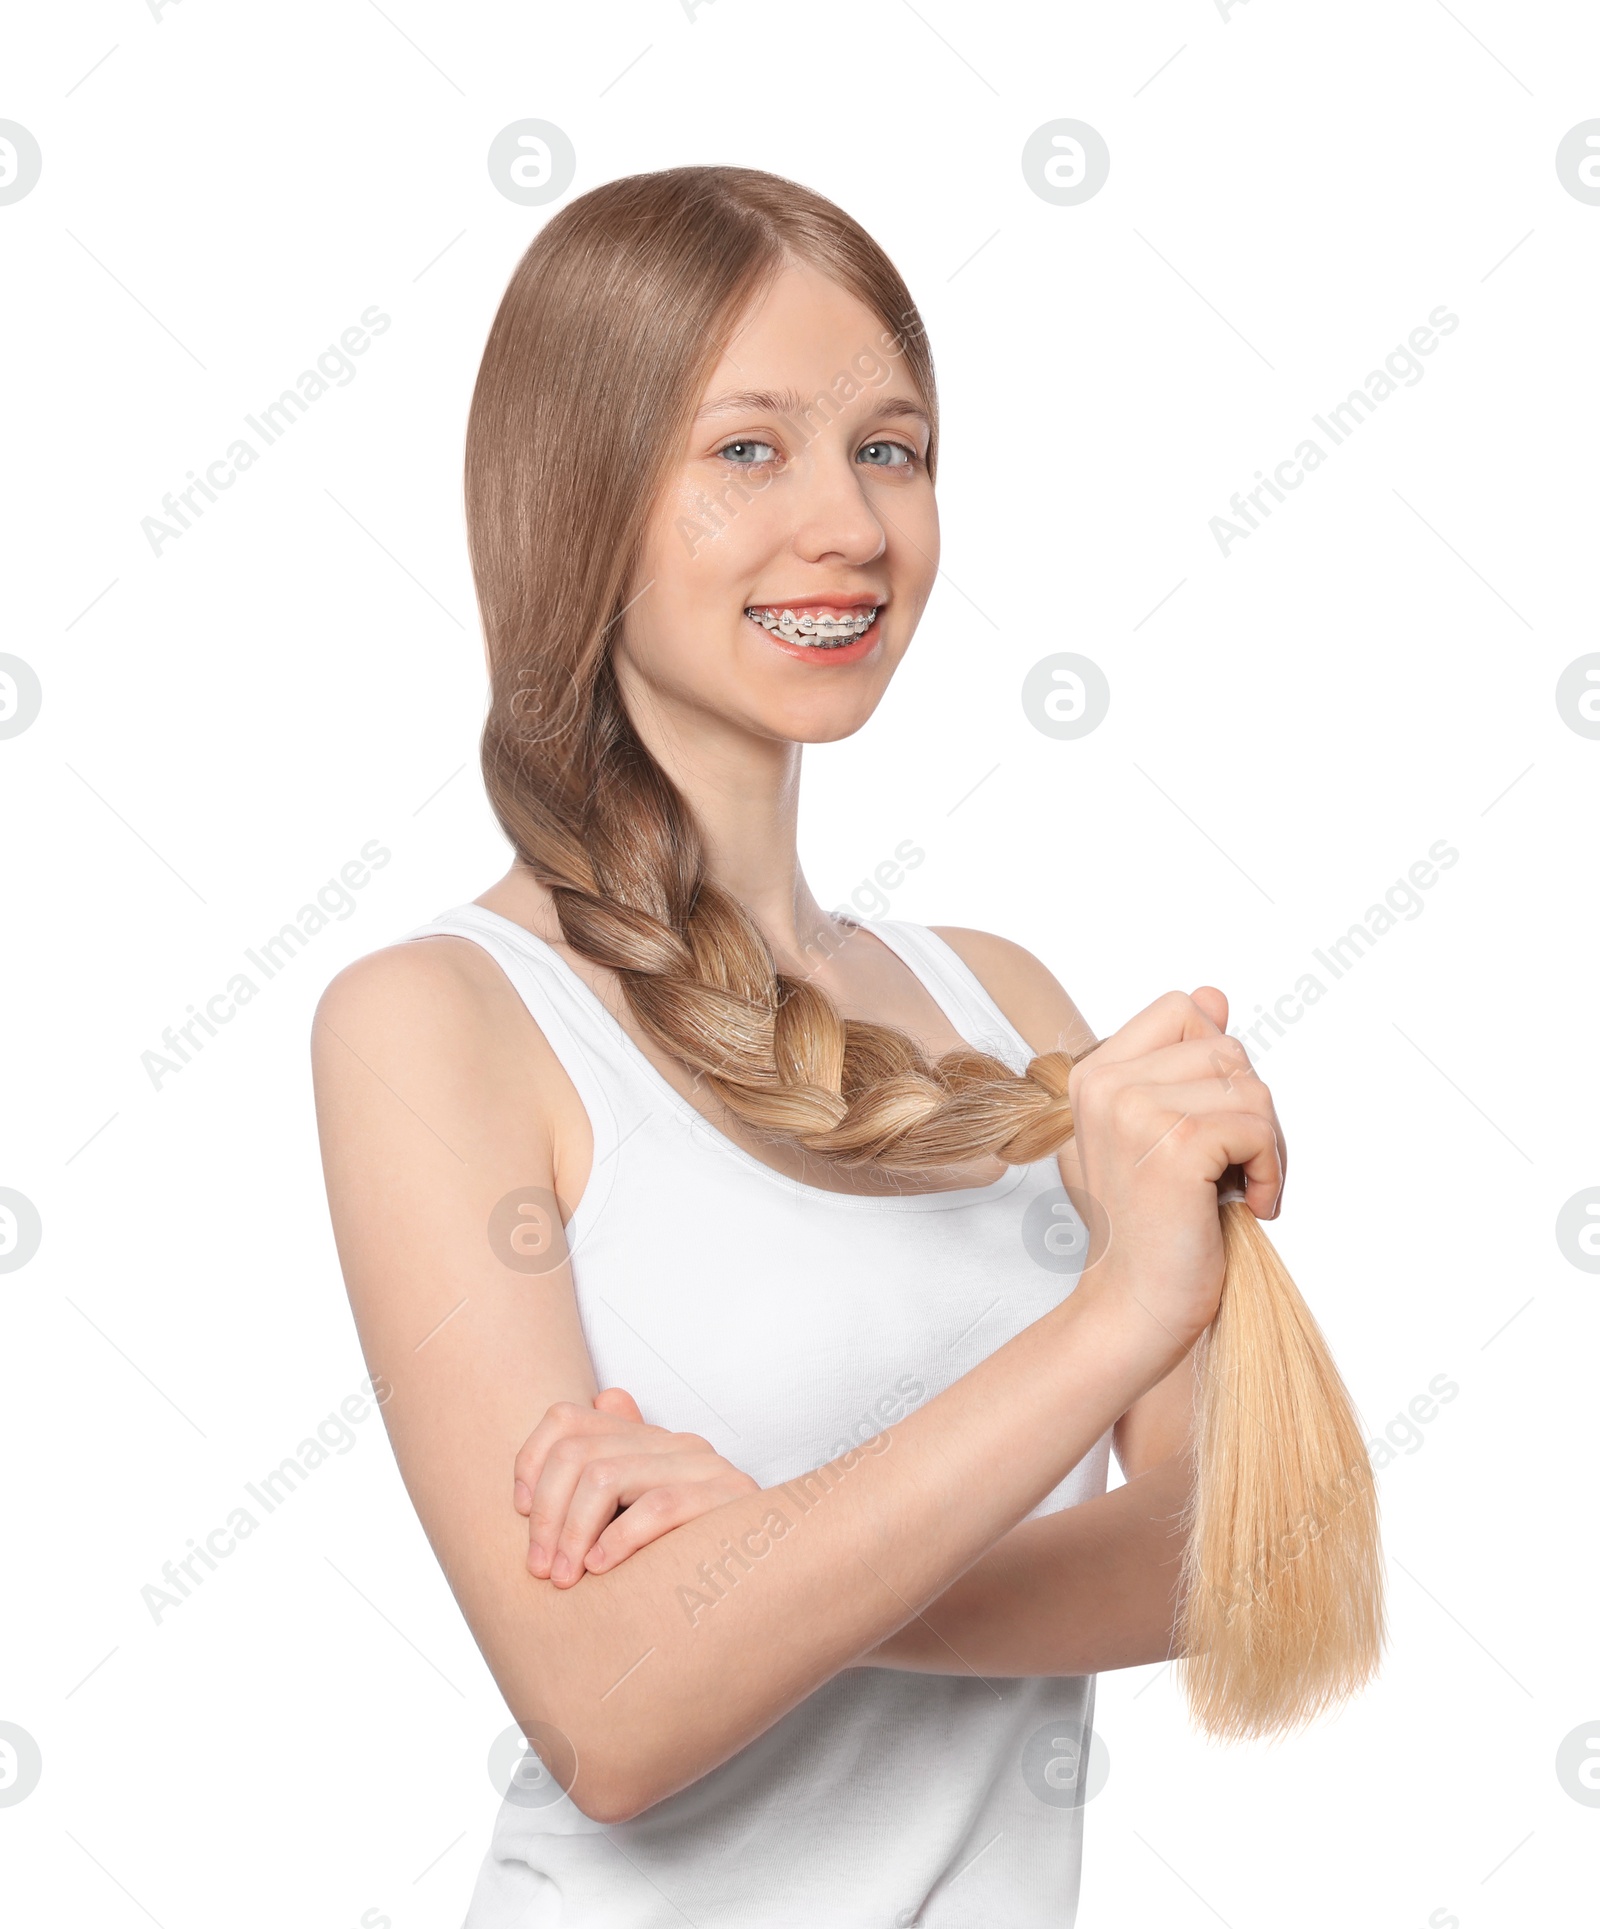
560	1568
597	1558
523	1499
535	1554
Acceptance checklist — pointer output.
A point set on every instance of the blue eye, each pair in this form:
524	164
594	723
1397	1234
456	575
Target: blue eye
885	455
747	451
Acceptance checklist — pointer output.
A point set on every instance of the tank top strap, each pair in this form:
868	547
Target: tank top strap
956	989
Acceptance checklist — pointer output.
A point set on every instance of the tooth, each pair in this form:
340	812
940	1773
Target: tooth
819	627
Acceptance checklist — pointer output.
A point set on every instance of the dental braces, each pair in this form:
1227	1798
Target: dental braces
825	629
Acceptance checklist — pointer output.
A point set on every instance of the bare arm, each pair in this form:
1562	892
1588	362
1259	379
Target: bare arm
429	1076
1086	1589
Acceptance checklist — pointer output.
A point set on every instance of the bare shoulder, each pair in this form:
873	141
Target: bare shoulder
1024	988
445	981
425	1003
431	1031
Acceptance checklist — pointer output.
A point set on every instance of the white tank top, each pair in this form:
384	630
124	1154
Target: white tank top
787	1323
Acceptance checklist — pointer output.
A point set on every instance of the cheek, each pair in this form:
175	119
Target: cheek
914	546
694	566
708	533
669	645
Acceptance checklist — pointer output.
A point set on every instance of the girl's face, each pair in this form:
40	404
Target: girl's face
787	563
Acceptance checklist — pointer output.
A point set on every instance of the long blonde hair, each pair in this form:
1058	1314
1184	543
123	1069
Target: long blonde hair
593	369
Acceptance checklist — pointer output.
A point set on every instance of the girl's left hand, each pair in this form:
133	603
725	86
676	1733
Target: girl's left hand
581	1465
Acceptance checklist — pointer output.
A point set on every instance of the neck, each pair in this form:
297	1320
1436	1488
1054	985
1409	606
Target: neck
744	791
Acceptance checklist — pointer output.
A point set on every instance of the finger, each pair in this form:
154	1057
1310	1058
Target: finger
1171	1107
558	1421
1227	1059
1218	1057
552	1502
593	1505
618	1402
591	1481
623	1480
662	1509
1195	1095
603	1484
1213	1003
566	1420
1213	1141
558	1479
1169	1020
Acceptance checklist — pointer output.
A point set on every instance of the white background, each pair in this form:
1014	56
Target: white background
1292	191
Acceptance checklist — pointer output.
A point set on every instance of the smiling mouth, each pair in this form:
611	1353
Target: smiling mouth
820	629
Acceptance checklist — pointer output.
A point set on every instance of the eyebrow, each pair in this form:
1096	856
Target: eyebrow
789	402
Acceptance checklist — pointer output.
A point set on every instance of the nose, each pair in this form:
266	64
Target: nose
836	523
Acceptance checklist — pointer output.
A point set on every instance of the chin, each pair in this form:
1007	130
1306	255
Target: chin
823	720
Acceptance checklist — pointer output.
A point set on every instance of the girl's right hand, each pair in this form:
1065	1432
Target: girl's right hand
1161	1109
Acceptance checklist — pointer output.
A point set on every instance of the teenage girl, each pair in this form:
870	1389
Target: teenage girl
761	1293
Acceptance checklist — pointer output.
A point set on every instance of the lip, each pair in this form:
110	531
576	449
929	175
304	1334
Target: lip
839	654
815	602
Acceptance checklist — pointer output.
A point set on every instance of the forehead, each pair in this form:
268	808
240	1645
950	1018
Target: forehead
799	334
